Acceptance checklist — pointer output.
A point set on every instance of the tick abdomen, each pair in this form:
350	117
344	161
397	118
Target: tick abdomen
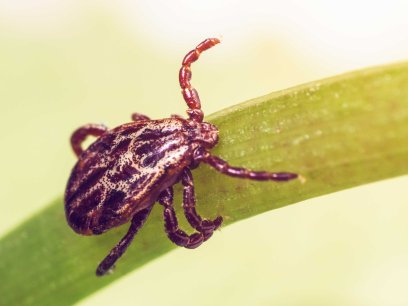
123	172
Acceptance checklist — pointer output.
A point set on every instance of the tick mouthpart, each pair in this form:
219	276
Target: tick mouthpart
208	134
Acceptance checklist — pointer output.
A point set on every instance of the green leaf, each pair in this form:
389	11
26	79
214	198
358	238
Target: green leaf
337	133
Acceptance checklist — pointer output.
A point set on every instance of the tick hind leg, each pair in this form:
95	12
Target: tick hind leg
139	117
202	225
137	222
83	132
171	227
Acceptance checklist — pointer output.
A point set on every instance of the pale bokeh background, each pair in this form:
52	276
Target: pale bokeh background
65	63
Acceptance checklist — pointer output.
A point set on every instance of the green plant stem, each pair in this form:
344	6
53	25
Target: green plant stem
337	133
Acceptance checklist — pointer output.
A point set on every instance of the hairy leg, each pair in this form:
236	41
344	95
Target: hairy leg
137	222
171	227
83	132
189	206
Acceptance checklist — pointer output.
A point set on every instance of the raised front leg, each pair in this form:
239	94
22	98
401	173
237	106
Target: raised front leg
190	95
189	206
81	133
139	117
171	227
223	167
137	222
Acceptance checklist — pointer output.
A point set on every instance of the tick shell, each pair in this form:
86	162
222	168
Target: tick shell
124	171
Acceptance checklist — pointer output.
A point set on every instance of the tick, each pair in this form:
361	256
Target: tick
121	175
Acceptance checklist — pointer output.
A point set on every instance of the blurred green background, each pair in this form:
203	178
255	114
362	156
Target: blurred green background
66	63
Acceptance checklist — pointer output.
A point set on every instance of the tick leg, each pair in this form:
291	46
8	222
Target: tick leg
81	133
171	227
139	117
137	222
189	93
189	206
223	167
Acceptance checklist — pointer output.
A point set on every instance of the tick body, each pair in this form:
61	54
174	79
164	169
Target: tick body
119	177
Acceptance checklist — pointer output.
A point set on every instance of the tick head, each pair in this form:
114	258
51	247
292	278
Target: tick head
206	134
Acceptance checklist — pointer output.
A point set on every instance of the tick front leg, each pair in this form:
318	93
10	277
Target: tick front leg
223	167
190	95
81	133
189	206
139	117
171	227
137	222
